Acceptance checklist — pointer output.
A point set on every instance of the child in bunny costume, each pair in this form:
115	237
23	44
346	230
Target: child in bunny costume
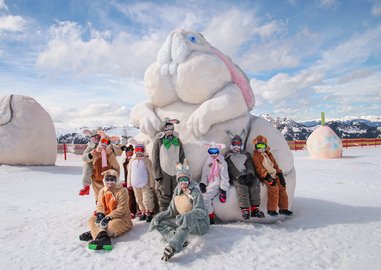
186	213
87	164
140	178
241	172
214	178
102	159
166	151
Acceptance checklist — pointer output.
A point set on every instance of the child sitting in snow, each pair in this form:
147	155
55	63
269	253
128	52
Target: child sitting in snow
214	178
112	217
186	214
241	172
269	173
140	178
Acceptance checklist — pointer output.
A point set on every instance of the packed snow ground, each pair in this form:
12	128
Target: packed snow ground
336	223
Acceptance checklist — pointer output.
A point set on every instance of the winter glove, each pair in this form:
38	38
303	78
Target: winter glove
222	195
123	148
99	216
281	179
124	184
104	222
271	181
202	187
250	178
242	179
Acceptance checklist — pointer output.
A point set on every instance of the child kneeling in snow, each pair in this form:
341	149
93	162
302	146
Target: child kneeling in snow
112	218
140	178
214	178
269	173
241	172
185	214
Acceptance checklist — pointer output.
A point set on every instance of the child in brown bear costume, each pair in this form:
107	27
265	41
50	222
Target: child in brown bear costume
269	173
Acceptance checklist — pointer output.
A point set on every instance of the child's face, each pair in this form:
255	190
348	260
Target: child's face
110	181
213	152
184	182
168	130
96	138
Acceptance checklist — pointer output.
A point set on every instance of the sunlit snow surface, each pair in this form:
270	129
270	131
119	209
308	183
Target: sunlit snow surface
336	223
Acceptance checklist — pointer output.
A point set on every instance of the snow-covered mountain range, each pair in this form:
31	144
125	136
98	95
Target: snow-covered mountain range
346	127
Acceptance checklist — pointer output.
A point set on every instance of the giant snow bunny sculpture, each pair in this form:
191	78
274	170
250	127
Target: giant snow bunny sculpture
27	133
195	83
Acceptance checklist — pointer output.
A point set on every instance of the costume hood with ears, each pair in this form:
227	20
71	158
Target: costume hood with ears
136	144
259	139
91	133
237	138
182	169
166	121
208	145
110	172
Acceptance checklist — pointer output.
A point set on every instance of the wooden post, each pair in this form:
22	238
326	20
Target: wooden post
64	147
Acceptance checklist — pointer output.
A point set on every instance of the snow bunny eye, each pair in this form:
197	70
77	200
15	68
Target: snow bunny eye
192	38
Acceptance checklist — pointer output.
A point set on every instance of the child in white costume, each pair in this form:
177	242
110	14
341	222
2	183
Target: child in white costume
140	178
215	178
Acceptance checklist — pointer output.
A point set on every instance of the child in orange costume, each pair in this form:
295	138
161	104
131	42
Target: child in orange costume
269	173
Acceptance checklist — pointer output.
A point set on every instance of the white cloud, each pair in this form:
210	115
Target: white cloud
100	114
69	53
282	86
354	52
12	23
328	3
376	8
3	5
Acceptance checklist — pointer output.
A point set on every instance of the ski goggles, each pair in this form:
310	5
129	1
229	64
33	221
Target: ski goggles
169	128
260	146
236	143
139	150
105	141
183	179
110	178
213	151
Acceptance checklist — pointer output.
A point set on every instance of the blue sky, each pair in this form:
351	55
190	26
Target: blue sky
84	61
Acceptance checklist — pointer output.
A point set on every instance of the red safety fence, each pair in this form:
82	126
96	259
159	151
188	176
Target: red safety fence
295	145
358	142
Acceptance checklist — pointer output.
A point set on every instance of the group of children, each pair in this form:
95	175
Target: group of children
185	206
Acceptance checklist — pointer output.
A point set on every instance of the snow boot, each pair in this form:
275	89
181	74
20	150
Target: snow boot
245	213
272	213
102	241
212	218
255	212
86	236
286	212
84	191
149	216
169	251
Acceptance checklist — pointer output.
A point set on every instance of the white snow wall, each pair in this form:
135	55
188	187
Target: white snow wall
27	132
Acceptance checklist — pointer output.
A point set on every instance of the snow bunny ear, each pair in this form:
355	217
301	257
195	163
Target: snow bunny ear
186	166
183	168
220	146
243	133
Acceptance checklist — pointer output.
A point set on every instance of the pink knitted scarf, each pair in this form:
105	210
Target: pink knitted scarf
104	157
215	170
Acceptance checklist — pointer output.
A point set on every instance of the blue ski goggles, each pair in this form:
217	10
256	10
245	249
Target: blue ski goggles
213	151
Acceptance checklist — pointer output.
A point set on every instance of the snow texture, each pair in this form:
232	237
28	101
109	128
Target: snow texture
27	133
336	223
